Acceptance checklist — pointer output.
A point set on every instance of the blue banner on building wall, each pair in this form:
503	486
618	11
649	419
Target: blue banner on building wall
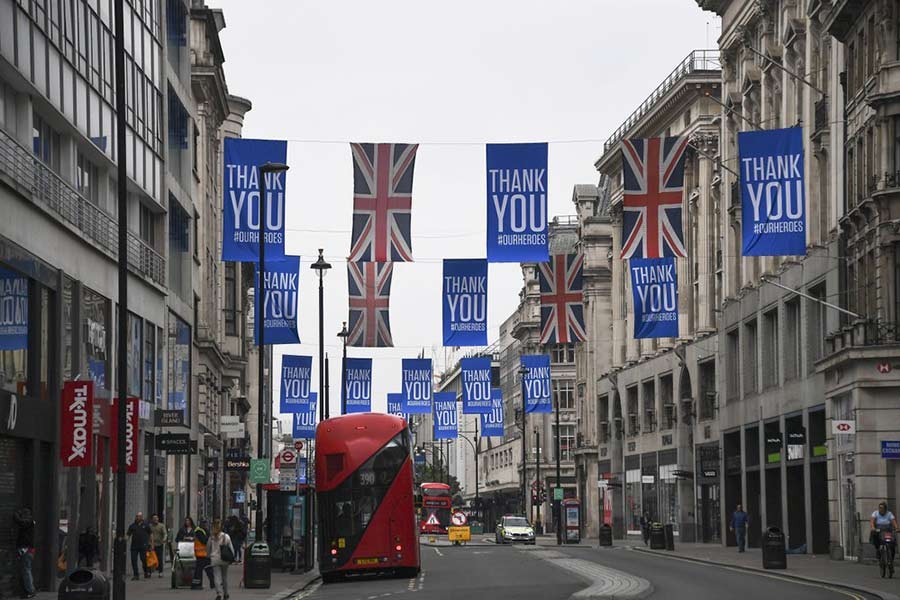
240	211
537	383
475	376
358	385
416	380
296	383
492	422
773	192
517	203
445	421
395	405
465	302
13	311
281	300
654	288
305	422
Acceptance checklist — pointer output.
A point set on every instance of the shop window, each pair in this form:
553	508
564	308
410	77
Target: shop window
14	330
179	366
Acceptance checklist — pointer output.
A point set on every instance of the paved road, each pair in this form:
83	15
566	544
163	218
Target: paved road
453	573
504	572
675	579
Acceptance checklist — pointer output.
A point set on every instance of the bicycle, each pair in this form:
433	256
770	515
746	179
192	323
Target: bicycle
886	552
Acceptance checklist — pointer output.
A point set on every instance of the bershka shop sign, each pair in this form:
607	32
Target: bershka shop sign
131	435
76	424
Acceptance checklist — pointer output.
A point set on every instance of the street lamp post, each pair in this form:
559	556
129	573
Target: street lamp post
557	504
262	414
539	526
523	371
322	266
344	334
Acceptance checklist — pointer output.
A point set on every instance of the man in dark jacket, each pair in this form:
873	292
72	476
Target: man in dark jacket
25	547
139	533
739	520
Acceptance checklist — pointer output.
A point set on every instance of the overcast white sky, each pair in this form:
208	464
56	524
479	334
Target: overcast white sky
456	75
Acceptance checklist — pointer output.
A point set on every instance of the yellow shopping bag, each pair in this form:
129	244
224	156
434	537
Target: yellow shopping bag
152	560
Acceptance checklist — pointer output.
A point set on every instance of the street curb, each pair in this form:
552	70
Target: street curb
779	572
305	587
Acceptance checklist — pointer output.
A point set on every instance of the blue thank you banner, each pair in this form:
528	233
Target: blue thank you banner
465	302
537	383
358	385
240	212
445	421
13	311
517	203
301	470
773	198
416	380
280	300
305	422
296	383
475	374
395	405
492	422
654	287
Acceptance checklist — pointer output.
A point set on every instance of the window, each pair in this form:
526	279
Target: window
860	59
792	338
564	394
817	326
634	421
147	222
179	363
45	143
230	300
149	361
196	224
770	358
566	441
179	248
732	364
563	354
649	413
87	179
14	326
666	391
749	361
135	342
851	69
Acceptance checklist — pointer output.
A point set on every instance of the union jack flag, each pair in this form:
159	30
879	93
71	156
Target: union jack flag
562	296
382	202
370	298
653	172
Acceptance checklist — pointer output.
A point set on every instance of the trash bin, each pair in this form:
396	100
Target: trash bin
657	536
670	537
606	537
258	566
84	584
773	552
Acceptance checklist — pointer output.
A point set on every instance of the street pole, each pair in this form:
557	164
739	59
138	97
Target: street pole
321	265
539	526
122	335
344	334
522	373
327	390
263	411
477	500
557	504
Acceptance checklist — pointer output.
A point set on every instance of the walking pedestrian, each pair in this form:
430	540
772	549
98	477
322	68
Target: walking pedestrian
201	556
139	532
25	547
186	533
159	537
235	530
645	527
739	521
221	554
88	547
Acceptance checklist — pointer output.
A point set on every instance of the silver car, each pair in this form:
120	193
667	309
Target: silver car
513	529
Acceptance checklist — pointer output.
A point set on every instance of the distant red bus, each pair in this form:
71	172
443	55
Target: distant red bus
364	488
436	504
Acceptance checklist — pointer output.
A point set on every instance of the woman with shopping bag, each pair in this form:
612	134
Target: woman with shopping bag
221	555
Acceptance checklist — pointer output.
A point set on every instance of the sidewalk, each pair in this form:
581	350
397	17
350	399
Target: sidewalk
816	568
283	586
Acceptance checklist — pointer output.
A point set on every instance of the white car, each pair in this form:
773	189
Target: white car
512	529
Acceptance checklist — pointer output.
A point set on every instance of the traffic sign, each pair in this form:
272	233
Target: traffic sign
459	534
288	457
432	519
298	445
602	483
558	493
459	519
259	470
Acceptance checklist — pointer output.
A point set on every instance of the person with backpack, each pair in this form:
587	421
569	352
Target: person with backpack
25	548
221	554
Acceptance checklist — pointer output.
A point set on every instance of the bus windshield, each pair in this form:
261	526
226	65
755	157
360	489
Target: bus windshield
435	492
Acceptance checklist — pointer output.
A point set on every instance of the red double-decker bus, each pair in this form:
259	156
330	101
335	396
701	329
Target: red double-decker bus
436	504
364	488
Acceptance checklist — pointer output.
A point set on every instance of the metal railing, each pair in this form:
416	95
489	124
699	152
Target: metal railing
696	61
50	192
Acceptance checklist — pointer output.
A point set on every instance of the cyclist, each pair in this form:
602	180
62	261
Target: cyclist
883	519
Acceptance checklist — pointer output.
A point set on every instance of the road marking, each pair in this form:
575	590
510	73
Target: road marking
438	552
823	586
309	591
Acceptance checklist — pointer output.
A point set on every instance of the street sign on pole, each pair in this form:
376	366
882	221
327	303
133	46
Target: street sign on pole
558	493
298	445
259	470
288	457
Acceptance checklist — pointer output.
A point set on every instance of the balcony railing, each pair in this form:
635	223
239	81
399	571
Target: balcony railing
696	61
48	191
